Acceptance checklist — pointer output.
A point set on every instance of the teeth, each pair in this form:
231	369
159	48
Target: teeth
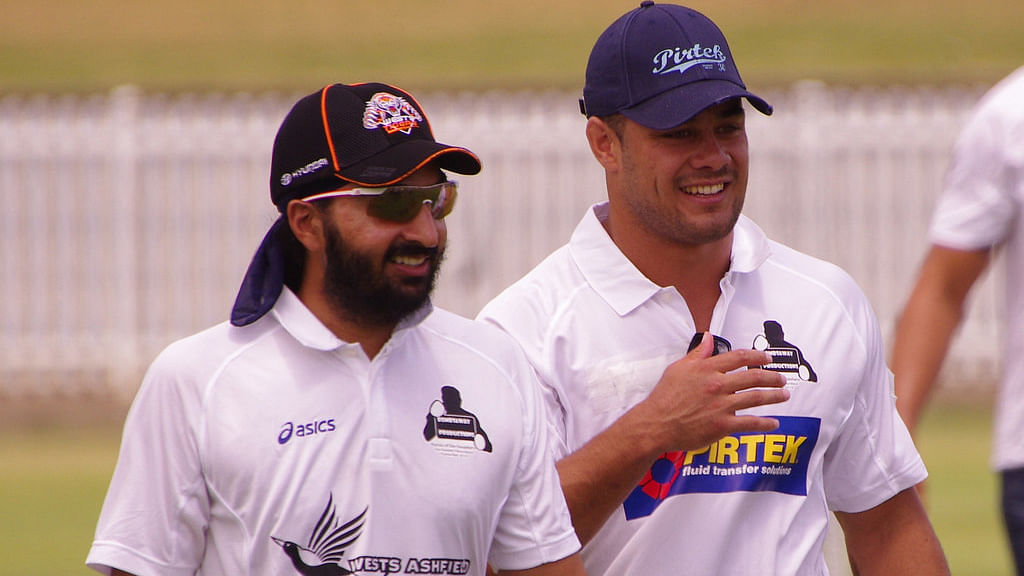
704	190
410	260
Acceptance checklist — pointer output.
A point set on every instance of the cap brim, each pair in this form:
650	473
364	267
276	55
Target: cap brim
401	160
677	106
263	280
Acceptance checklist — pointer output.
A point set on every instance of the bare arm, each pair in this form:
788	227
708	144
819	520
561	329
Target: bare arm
116	572
926	327
693	404
570	566
894	537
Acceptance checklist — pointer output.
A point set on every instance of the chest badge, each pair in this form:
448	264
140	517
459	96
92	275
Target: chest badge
786	358
452	428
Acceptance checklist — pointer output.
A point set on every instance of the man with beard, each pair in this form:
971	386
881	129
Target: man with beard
705	463
289	441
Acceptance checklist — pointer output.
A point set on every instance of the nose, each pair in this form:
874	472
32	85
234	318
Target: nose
424	228
710	153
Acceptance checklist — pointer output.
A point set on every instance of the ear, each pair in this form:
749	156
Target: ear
604	143
306	222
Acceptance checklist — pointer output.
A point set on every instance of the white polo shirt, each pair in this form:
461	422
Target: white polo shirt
600	334
980	207
260	449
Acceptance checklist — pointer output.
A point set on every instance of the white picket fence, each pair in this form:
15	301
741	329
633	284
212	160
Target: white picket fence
128	219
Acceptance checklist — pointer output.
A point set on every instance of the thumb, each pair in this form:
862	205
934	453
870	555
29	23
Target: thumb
701	346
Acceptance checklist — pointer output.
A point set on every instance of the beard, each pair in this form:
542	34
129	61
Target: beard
669	226
699	229
357	287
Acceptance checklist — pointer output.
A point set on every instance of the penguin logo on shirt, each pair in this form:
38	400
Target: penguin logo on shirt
786	357
450	424
323	553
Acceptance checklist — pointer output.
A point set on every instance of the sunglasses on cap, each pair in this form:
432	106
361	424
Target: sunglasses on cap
401	203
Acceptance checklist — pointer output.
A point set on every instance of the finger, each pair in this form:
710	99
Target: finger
754	398
755	378
740	358
703	350
749	423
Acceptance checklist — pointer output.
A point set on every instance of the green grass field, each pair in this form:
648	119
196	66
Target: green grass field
962	492
88	45
52	483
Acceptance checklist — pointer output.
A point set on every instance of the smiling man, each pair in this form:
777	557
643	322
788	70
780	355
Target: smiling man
290	440
726	460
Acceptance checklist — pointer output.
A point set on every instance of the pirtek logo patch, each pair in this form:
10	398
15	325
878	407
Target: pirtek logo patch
773	462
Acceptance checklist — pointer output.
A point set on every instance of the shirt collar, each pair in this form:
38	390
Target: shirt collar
750	246
618	281
307	329
302	324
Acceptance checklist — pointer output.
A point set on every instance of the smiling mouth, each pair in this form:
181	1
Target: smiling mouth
410	259
707	190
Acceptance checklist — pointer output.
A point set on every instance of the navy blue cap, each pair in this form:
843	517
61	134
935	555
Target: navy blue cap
660	65
366	134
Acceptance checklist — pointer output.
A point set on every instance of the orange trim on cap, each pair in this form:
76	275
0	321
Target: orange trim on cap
327	126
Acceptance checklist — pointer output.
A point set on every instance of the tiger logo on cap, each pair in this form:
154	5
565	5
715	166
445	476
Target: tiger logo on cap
392	113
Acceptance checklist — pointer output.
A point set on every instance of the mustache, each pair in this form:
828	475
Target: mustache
412	249
726	172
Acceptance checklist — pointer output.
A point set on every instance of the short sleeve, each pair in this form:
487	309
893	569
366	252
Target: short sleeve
155	514
534	527
873	457
976	208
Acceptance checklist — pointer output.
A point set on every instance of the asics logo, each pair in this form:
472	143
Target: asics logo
297	430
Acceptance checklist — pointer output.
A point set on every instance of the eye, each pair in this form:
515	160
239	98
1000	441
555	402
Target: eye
731	126
679	134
